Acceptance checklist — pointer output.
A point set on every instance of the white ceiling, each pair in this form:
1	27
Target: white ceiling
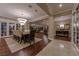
63	18
15	10
56	9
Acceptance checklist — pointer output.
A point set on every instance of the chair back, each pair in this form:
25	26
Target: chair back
17	33
32	34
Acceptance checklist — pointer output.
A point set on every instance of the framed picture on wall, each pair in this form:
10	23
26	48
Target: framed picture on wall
67	26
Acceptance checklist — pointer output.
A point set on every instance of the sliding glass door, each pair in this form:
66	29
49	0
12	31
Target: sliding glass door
11	28
6	28
3	28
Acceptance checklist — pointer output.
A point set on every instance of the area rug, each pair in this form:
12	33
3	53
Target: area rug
15	46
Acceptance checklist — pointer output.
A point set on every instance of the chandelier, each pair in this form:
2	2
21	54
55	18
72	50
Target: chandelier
22	21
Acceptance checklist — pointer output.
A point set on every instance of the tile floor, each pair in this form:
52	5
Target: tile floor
59	48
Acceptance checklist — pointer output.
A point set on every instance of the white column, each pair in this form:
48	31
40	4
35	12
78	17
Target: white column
51	25
72	25
0	29
7	29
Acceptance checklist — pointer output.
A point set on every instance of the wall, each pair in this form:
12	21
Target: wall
66	19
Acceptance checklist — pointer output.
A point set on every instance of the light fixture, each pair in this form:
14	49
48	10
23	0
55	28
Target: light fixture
61	25
60	5
22	21
77	24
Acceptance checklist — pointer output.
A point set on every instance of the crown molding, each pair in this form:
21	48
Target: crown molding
8	18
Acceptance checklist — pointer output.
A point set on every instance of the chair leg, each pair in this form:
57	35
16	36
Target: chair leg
30	42
20	40
34	43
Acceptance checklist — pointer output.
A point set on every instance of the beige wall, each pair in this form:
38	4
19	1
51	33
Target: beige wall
68	20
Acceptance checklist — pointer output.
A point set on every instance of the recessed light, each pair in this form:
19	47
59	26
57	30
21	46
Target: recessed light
36	10
60	5
30	6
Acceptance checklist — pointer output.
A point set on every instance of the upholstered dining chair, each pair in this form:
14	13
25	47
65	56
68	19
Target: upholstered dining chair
17	34
30	37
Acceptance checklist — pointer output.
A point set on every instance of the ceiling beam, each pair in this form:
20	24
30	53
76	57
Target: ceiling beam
44	7
65	12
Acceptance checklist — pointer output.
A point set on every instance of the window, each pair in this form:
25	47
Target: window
3	29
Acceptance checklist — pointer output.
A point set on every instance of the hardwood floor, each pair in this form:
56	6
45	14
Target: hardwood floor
28	51
4	50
